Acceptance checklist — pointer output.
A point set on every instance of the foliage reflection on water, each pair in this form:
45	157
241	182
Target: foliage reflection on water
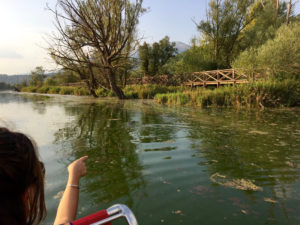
102	131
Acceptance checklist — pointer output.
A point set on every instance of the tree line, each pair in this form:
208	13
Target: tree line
96	39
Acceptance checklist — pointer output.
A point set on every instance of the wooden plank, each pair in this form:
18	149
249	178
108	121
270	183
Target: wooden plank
230	78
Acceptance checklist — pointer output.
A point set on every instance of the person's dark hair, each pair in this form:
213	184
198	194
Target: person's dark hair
21	180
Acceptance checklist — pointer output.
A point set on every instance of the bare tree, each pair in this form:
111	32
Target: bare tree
67	53
95	35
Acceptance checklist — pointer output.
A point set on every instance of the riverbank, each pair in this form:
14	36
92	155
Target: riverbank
131	91
259	94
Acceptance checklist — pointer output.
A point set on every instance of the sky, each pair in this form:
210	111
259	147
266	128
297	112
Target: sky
24	25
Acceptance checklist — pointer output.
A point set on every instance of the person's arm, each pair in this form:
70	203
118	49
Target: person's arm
67	208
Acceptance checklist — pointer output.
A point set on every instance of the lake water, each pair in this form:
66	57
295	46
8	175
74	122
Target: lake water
169	165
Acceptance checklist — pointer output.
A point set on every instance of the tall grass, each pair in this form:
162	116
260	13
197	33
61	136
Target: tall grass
79	91
259	94
149	91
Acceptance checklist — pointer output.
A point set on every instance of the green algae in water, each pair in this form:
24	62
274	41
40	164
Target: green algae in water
240	184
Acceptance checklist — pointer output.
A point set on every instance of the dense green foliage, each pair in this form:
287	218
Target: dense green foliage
259	94
231	28
153	58
225	21
277	58
195	59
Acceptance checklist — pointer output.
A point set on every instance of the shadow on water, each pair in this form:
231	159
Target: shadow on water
101	131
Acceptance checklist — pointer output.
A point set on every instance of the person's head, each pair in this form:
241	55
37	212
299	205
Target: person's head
21	180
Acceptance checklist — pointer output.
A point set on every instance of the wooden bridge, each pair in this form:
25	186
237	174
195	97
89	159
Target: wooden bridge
217	78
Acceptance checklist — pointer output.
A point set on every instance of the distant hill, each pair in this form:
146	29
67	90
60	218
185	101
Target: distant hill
13	79
17	79
181	47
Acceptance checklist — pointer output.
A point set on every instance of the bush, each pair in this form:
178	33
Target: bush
66	91
29	89
277	58
80	91
43	89
54	90
101	92
50	81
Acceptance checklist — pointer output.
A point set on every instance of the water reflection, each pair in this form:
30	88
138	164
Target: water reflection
155	128
160	160
38	102
102	131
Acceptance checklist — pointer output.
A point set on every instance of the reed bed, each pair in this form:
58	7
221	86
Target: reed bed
259	94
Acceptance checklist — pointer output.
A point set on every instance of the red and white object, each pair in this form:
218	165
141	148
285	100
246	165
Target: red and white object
106	216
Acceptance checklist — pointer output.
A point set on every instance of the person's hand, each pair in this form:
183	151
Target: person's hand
77	169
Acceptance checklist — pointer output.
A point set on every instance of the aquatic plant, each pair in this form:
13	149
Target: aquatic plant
240	184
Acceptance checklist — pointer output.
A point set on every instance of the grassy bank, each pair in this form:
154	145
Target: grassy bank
259	94
130	91
149	91
62	90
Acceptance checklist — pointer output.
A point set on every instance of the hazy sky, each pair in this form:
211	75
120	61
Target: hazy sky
24	25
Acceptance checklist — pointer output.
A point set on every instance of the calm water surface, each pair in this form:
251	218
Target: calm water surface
170	166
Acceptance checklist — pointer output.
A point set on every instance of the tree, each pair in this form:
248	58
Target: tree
95	36
195	59
278	57
225	21
265	20
153	58
144	58
37	76
167	51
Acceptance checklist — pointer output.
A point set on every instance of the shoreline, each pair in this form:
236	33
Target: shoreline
260	95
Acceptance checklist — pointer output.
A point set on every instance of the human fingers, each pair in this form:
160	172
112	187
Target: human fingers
77	168
83	158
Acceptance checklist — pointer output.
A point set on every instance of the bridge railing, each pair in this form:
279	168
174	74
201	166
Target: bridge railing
217	77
